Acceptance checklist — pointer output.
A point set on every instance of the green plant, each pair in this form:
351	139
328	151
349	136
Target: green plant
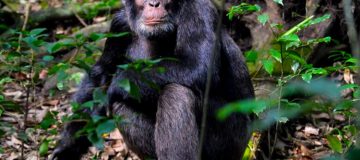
286	62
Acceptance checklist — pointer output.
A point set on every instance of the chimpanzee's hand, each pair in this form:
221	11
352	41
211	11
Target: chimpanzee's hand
60	153
70	147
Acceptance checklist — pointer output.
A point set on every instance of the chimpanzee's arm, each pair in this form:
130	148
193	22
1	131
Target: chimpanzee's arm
237	82
71	147
195	44
113	55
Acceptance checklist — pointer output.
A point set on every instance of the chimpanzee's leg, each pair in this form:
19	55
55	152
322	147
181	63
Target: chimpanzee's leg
176	130
137	129
71	147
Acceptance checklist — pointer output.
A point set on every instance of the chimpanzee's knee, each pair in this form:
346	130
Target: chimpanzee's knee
176	130
176	95
137	129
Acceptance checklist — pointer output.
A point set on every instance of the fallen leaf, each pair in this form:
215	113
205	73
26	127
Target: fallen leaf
348	77
320	116
311	131
19	76
54	102
339	117
304	150
43	74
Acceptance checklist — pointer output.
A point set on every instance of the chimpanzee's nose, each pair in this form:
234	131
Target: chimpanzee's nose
154	3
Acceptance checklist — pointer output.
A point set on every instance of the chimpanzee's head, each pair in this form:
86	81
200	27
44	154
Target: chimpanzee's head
152	18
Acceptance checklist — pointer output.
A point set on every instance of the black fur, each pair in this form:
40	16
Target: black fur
165	125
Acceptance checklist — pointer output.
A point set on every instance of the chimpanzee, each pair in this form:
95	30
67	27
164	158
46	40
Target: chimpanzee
166	125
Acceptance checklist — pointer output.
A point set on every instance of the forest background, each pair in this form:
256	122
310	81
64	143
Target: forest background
302	56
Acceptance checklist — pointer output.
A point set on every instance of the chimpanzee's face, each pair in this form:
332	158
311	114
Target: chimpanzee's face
151	18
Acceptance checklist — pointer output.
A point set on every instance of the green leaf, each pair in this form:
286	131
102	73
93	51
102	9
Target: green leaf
105	127
131	88
277	26
251	56
53	47
60	86
5	80
295	66
61	75
276	55
351	61
344	105
246	106
44	148
80	63
124	66
77	77
334	143
2	133
135	91
356	94
37	31
96	140
118	34
306	77
269	66
60	67
243	8
12	55
279	2
296	57
291	40
298	27
10	105
263	18
161	70
48	58
100	96
97	36
318	20
125	84
283	119
351	129
320	71
97	118
23	136
349	86
319	40
88	104
316	87
30	41
48	120
56	46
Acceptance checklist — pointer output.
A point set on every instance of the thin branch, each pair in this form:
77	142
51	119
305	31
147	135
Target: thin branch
351	27
28	90
23	28
78	16
280	83
208	81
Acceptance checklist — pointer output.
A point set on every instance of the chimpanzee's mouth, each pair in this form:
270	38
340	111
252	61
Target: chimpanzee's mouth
154	22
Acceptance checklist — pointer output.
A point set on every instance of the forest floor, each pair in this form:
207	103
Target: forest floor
302	138
115	147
